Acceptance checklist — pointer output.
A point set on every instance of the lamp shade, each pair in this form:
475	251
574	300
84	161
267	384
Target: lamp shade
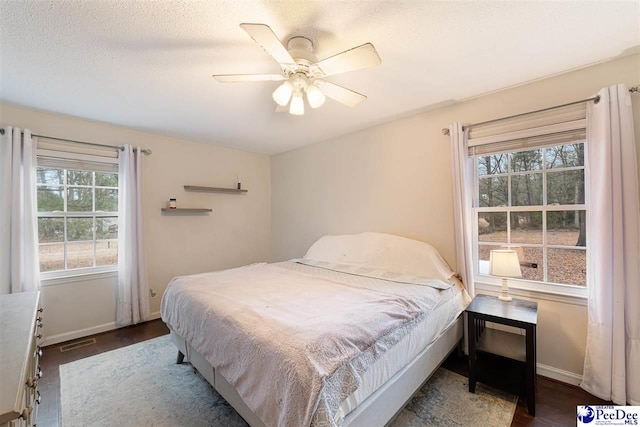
504	263
283	93
314	96
297	104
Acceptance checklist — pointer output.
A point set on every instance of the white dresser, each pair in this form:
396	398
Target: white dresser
20	332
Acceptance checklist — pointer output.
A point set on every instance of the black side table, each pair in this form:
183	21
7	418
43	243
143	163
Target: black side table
517	313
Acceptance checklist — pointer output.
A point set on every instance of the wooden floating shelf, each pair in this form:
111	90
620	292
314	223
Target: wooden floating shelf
186	210
214	189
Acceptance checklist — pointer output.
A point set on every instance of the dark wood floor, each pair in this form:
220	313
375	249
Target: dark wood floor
52	358
555	402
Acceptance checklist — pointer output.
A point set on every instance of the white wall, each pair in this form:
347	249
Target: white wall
393	178
237	232
397	178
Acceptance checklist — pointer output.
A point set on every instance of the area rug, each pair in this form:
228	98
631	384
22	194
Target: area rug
141	385
445	401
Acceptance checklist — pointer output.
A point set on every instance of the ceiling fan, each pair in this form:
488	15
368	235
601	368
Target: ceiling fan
302	73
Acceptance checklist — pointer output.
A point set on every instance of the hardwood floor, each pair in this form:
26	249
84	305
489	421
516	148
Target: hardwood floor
52	358
555	402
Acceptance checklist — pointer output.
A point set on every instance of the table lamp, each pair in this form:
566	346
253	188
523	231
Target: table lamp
504	263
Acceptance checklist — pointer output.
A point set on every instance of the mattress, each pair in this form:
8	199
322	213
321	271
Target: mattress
450	305
408	348
384	358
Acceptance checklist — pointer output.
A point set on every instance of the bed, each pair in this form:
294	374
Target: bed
341	337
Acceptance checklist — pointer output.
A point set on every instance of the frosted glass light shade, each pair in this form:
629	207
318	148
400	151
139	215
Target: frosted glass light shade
504	263
297	105
282	94
315	96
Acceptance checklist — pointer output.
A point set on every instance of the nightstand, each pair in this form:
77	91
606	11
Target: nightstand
517	313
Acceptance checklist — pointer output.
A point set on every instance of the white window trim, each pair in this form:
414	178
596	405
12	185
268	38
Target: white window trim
57	277
570	294
515	130
61	277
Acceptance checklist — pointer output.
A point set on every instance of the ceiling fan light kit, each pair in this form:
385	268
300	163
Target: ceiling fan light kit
294	86
302	73
282	94
297	104
315	97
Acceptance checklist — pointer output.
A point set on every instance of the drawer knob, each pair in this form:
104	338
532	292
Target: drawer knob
32	382
39	336
39	374
26	412
40	310
39	351
38	398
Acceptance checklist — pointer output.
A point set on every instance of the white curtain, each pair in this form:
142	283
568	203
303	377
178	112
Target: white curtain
19	267
133	293
612	359
462	166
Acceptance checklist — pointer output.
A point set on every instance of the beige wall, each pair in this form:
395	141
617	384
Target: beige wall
396	178
393	178
237	232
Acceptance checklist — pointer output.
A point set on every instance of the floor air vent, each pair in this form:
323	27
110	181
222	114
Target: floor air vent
77	344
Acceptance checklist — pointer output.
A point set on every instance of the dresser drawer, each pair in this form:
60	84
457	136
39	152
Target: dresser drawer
21	323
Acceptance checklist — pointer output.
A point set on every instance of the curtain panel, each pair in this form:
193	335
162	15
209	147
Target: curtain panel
19	268
612	359
462	166
132	304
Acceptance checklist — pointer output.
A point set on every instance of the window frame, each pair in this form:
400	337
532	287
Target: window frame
524	286
69	161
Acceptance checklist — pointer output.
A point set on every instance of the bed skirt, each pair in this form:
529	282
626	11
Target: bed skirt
378	409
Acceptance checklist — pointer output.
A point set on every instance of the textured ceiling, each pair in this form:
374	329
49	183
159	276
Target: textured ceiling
148	64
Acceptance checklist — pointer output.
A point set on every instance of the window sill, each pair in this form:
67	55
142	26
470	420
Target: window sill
63	277
564	294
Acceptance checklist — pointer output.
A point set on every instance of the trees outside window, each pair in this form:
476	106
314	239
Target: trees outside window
77	218
534	202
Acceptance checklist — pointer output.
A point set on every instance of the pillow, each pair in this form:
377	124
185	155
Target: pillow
376	272
393	253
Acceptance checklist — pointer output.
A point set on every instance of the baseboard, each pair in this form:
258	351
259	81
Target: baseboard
80	333
559	374
543	370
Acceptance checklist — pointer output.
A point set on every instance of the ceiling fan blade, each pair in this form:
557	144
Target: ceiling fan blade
353	59
341	94
235	78
265	37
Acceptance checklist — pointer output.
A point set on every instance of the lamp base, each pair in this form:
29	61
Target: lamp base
504	292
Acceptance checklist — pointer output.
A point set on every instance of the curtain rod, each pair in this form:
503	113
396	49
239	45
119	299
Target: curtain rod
596	99
92	144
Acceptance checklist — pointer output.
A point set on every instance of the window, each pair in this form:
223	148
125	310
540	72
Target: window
533	200
77	214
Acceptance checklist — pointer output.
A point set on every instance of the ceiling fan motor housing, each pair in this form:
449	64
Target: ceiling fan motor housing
301	50
299	80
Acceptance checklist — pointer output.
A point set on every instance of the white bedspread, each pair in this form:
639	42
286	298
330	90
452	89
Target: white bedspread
294	344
